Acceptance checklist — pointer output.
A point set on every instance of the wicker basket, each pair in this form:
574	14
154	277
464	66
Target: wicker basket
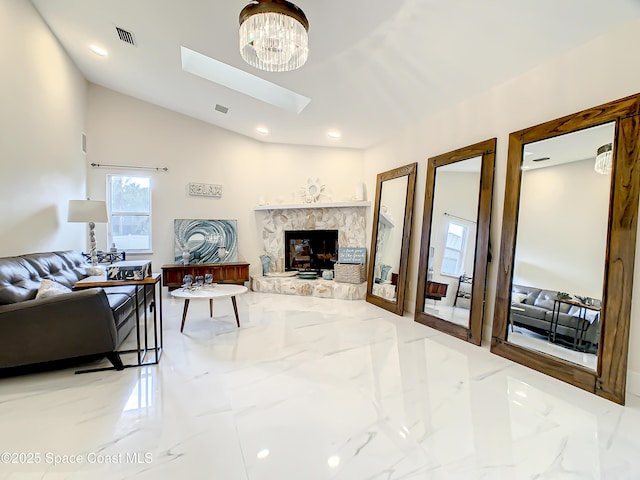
349	273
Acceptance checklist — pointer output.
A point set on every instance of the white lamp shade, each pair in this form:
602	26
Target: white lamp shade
86	211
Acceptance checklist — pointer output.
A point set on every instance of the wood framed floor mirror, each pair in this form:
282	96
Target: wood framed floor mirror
565	275
391	237
455	241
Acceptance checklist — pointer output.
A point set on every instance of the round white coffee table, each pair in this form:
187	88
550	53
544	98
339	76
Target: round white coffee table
217	291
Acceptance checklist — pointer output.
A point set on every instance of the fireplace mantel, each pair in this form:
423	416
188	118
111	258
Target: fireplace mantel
297	206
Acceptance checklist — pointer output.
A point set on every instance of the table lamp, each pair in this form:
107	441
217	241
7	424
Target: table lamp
91	212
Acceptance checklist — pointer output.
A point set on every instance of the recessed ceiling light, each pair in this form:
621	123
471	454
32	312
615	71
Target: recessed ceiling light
98	50
334	134
262	130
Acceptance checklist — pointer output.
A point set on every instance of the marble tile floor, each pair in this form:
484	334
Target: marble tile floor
534	341
457	315
308	389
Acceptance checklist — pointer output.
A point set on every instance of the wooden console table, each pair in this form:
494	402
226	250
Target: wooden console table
232	272
436	290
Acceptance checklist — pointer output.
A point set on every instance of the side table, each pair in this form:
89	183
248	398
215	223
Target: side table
142	350
580	328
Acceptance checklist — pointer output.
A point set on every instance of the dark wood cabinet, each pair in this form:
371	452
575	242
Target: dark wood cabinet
234	272
436	290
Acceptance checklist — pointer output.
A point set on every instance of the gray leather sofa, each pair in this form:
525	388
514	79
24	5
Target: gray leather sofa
91	322
532	308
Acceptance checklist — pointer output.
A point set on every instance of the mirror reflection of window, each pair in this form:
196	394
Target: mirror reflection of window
454	249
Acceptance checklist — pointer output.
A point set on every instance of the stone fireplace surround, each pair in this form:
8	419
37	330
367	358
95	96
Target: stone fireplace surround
349	218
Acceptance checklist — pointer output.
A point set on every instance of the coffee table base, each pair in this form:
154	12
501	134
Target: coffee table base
186	309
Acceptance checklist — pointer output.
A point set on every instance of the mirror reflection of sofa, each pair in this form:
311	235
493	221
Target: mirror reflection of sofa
532	308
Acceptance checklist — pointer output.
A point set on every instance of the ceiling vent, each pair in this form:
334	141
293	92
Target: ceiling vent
221	109
125	36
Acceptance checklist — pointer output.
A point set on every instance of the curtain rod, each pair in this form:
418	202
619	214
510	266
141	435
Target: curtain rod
133	167
461	218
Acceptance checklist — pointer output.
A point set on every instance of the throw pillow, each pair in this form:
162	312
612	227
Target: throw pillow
518	297
49	288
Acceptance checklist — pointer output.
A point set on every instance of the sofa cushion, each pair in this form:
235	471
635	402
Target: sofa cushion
122	306
546	299
19	281
61	267
76	261
49	288
531	311
530	292
128	290
518	297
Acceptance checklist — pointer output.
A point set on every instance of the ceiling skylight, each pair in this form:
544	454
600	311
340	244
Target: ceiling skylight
241	81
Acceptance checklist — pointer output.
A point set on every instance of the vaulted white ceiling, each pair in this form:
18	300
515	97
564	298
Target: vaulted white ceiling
374	66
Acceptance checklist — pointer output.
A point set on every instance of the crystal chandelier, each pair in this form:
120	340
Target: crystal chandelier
273	35
604	159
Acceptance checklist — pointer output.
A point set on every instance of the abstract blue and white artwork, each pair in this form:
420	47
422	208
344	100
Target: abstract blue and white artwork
207	241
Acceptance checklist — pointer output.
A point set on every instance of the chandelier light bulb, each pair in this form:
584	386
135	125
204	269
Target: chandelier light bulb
273	35
272	45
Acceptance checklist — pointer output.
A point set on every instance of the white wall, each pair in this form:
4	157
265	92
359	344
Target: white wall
456	193
43	101
394	200
562	229
123	130
570	83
